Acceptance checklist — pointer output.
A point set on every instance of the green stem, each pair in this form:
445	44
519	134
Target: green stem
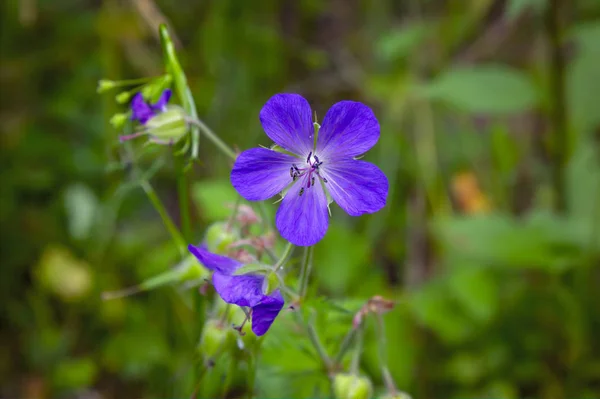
284	257
561	144
316	342
183	90
345	346
383	360
305	271
234	212
216	140
354	367
158	205
184	203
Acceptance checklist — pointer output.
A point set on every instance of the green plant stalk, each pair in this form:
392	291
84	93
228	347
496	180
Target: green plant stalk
383	359
354	366
158	205
561	145
284	257
346	343
181	86
316	342
216	140
306	270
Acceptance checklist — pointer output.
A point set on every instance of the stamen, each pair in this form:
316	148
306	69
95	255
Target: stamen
317	159
312	180
308	158
301	192
292	172
324	180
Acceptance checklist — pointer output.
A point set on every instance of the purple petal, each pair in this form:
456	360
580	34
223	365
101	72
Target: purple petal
349	129
162	102
243	290
358	187
140	110
287	121
303	219
259	173
218	263
264	313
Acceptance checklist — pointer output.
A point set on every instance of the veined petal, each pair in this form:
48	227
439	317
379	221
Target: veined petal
358	187
162	102
217	263
243	290
259	173
286	119
303	219
349	129
140	110
265	312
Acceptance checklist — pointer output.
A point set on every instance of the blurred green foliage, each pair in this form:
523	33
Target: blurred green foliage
494	280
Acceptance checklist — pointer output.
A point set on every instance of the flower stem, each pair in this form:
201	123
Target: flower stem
284	257
354	367
184	203
382	343
345	346
234	212
158	205
216	140
314	339
305	271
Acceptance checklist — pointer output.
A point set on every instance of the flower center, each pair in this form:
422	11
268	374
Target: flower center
310	170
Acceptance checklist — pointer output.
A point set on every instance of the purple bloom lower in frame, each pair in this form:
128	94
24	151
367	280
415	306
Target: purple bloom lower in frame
242	290
143	111
310	168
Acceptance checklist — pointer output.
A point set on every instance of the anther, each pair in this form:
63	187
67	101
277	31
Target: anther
292	172
312	181
317	159
301	192
324	180
308	158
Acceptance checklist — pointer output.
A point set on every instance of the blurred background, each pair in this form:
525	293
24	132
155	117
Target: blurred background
490	242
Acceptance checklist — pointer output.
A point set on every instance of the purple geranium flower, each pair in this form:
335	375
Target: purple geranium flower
241	290
310	167
143	111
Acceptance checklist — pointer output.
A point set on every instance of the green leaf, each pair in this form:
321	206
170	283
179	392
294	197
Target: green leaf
487	89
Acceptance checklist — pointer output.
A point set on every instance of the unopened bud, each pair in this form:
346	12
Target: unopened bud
105	85
169	125
215	338
123	97
118	120
219	237
348	386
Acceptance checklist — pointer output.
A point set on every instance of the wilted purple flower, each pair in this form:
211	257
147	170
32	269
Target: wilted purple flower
242	290
143	111
309	166
165	124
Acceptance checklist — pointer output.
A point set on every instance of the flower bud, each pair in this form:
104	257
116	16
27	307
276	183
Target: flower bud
105	85
215	338
168	125
219	237
118	120
348	386
123	97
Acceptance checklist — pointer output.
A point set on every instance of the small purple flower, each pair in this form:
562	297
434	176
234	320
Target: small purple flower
143	111
349	129
242	290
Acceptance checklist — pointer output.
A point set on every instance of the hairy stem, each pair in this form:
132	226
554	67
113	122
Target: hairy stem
158	205
216	140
